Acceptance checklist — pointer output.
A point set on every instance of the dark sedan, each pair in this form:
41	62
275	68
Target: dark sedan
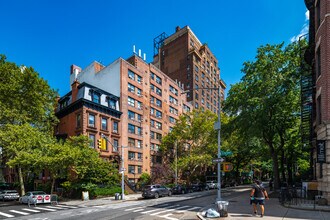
155	191
181	189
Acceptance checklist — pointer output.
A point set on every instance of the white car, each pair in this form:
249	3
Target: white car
211	184
9	195
35	197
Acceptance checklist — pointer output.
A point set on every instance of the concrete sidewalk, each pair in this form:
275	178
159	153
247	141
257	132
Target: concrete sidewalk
240	208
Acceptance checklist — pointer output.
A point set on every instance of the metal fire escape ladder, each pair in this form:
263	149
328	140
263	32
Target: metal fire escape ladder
306	83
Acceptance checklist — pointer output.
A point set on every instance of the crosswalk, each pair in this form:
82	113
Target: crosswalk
166	211
15	213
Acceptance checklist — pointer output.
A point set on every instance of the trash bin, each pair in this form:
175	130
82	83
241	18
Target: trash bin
223	208
117	196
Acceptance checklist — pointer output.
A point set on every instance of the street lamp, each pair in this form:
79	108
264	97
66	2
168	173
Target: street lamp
217	126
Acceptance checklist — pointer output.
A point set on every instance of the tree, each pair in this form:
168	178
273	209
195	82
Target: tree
194	140
26	102
22	144
266	101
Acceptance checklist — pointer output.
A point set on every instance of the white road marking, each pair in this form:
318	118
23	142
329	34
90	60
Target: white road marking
31	210
133	208
154	210
193	208
40	208
7	215
18	212
55	207
66	206
138	210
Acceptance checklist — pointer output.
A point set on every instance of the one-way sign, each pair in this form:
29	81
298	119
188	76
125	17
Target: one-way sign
218	160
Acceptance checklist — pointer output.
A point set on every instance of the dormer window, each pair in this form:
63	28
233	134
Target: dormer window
96	96
112	103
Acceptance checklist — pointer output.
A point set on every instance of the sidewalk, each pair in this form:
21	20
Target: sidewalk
102	201
240	208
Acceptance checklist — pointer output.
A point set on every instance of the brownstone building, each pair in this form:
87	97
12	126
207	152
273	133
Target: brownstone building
318	57
186	60
130	102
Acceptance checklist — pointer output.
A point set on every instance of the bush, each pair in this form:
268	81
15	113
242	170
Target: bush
107	191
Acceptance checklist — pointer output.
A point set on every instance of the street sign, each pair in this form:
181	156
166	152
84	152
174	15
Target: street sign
218	160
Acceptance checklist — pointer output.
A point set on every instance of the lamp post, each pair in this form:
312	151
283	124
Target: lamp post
217	126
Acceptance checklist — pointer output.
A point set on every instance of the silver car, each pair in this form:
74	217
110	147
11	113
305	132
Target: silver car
35	197
155	191
9	195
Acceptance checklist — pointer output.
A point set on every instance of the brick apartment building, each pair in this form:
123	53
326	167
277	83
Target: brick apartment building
318	57
185	59
130	102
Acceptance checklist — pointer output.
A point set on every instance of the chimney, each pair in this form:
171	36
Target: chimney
75	69
74	88
177	28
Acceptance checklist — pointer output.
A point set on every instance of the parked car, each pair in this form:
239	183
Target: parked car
181	189
211	184
35	197
9	195
155	191
199	187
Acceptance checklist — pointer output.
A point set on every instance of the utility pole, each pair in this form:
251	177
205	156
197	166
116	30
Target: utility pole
176	163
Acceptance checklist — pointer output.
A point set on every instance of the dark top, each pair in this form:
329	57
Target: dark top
258	191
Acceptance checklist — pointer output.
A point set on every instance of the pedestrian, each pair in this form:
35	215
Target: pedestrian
258	195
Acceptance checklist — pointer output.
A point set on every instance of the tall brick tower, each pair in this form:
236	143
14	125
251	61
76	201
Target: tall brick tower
192	64
318	56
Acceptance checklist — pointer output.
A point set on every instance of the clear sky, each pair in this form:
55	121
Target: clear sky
50	35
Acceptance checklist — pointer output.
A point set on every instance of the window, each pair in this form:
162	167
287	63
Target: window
112	103
115	145
152	135
139	117
139	144
139	156
152	75
319	110
158	80
158	103
91	120
158	136
172	120
95	96
115	127
131	142
131	115
173	90
139	168
131	88
138	92
139	79
139	105
173	100
318	14
131	169
158	91
196	68
131	129
139	131
131	155
196	96
131	101
131	75
92	137
158	125
158	114
104	124
78	120
318	57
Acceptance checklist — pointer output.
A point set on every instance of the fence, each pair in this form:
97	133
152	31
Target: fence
298	196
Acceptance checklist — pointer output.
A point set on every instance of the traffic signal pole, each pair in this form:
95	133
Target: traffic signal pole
122	169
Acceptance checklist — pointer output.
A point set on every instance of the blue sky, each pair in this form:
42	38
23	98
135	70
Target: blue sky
52	35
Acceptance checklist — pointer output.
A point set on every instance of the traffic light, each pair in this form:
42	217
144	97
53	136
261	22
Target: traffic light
99	143
227	167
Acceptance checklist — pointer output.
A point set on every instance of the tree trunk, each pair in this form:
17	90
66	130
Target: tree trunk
53	185
276	172
282	166
21	182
